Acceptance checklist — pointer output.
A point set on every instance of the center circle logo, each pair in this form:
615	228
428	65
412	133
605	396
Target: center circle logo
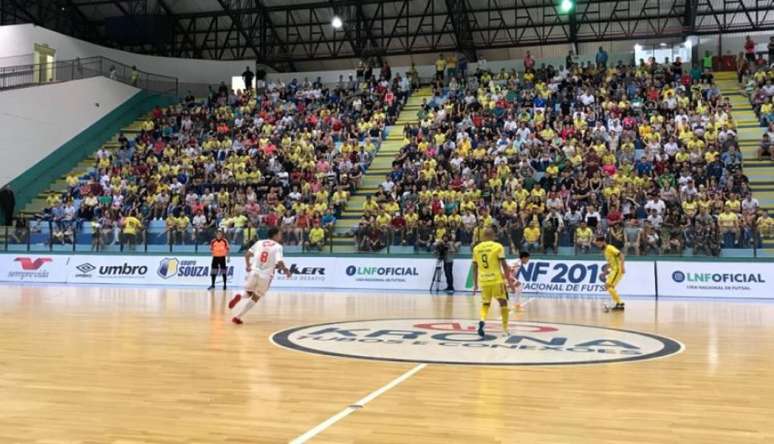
455	341
678	276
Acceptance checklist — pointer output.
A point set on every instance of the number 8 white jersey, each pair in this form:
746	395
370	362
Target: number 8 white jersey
515	267
266	255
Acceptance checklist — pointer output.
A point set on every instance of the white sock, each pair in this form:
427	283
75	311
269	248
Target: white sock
248	305
517	291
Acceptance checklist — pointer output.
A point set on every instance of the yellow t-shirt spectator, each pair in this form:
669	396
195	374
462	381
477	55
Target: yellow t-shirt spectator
583	235
131	225
532	234
316	235
727	219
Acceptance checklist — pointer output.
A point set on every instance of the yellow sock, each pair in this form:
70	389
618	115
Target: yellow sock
484	311
614	294
504	313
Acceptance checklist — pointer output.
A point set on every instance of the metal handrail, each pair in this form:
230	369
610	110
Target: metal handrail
80	68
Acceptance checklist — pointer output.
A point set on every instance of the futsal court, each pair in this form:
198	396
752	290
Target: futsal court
82	364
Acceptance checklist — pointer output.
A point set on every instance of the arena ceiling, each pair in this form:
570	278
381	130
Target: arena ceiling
280	33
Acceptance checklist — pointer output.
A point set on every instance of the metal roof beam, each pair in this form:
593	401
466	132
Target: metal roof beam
457	10
178	28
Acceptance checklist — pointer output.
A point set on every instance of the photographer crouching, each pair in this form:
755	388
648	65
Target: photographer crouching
444	250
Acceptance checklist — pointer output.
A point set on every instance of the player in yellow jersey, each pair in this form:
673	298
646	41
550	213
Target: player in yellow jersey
615	272
490	271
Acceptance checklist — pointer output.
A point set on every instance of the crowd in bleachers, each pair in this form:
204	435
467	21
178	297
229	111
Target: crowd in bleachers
551	157
286	155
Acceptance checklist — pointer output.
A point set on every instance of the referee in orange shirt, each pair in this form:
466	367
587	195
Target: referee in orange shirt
219	249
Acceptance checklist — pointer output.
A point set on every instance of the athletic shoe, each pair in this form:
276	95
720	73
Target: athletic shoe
224	286
506	334
211	287
237	321
618	307
481	328
235	300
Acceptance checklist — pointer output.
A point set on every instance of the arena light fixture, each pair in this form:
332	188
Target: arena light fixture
637	47
336	22
566	6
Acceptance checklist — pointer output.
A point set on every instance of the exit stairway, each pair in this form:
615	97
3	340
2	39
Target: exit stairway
379	168
749	134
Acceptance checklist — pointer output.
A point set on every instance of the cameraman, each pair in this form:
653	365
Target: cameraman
445	249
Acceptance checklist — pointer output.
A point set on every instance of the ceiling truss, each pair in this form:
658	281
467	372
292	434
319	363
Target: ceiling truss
283	34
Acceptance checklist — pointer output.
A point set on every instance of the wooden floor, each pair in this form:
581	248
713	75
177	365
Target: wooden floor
101	365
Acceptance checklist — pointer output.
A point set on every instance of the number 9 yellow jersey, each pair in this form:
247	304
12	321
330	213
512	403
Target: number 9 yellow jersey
487	255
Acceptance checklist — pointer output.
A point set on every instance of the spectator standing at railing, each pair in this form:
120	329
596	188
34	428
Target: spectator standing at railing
131	226
440	67
134	78
451	66
707	61
462	66
7	204
248	77
749	49
601	58
219	248
413	76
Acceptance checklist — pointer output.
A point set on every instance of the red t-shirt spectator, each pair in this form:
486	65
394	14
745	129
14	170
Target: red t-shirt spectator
302	221
271	219
398	222
749	46
614	216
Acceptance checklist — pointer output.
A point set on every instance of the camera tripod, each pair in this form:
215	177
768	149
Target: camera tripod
438	277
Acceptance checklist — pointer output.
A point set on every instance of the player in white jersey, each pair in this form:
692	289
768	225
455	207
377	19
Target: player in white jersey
261	260
513	279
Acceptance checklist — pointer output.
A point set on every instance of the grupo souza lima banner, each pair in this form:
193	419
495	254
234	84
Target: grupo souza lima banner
569	277
455	341
174	270
716	279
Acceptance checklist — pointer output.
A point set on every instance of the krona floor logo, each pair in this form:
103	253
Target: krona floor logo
455	341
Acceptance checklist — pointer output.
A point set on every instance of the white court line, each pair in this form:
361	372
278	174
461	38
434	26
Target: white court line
527	302
356	406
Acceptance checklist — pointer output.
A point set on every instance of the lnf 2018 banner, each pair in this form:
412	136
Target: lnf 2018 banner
716	279
569	277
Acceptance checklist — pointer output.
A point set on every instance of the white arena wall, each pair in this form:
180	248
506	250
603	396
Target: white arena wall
16	41
643	278
35	122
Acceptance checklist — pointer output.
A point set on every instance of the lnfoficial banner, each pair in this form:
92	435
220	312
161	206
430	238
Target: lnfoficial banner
570	277
358	272
716	279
